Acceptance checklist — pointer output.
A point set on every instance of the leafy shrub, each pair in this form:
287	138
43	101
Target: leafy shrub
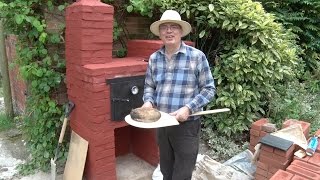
303	18
293	100
41	65
5	122
248	51
222	147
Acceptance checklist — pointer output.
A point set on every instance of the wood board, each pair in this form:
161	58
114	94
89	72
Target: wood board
76	158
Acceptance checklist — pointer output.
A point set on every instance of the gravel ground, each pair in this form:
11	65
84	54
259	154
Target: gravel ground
12	153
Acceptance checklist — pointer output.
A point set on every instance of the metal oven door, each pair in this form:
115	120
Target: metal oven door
126	94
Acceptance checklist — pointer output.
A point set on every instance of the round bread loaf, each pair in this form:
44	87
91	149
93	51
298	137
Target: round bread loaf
143	114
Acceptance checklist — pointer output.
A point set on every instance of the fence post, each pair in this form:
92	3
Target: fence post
5	74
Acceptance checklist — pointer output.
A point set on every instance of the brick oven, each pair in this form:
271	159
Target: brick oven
93	76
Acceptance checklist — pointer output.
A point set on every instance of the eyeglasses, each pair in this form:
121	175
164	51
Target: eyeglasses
171	27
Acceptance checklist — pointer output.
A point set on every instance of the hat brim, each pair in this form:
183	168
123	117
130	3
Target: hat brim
186	27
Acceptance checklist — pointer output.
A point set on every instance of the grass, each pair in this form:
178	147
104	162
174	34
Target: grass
5	122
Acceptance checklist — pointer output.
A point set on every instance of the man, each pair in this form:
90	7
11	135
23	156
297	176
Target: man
178	81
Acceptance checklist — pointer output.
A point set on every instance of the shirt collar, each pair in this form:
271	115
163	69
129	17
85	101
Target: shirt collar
182	49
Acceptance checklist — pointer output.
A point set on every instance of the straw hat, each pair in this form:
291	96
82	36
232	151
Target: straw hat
171	16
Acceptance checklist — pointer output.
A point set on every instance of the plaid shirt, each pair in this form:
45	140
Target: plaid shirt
185	80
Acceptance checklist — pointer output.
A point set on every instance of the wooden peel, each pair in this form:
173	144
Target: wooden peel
210	112
167	120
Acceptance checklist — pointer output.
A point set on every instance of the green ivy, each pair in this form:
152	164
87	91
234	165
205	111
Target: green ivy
40	57
43	68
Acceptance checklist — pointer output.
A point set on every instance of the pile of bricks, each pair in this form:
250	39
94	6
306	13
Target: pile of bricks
301	168
277	164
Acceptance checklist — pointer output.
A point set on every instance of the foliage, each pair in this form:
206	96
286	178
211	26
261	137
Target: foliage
303	18
293	100
119	33
43	69
5	122
145	7
249	53
299	99
222	147
42	65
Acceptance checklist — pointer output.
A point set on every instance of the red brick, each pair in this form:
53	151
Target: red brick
267	148
259	177
266	153
287	153
303	172
258	124
262	166
282	159
274	170
273	162
254	132
263	133
262	172
315	159
297	177
307	166
282	175
270	175
254	140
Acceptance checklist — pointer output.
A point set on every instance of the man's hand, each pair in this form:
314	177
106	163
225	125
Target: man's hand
181	114
147	105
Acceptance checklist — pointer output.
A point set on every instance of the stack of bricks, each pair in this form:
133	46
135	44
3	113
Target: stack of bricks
256	133
271	159
301	168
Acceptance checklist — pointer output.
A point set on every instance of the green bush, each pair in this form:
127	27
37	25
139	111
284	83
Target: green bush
303	18
248	51
5	122
222	147
43	67
293	100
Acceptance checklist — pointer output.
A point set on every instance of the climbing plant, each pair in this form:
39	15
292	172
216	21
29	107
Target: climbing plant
42	65
248	51
40	59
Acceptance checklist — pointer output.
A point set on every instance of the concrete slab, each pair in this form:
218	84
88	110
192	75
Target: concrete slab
131	167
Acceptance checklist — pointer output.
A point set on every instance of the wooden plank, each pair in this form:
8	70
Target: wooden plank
76	158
